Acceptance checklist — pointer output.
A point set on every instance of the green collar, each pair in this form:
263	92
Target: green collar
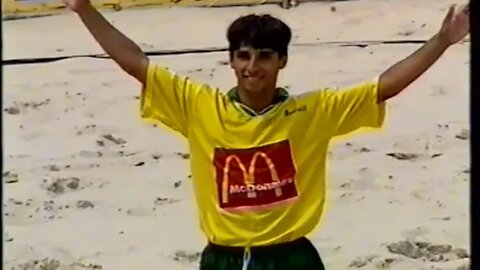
281	96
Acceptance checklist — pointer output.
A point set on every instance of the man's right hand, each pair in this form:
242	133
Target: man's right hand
77	5
119	47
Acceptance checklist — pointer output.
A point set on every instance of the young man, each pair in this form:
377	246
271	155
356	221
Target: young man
259	177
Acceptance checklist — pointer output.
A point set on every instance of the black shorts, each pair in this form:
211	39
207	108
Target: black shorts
296	255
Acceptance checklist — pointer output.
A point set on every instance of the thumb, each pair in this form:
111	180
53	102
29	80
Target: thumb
450	13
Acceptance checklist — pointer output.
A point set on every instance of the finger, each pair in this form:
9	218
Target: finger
451	12
466	8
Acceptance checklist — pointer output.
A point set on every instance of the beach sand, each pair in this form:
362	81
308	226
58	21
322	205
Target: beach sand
88	185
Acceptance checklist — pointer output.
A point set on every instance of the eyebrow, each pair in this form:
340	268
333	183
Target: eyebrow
259	50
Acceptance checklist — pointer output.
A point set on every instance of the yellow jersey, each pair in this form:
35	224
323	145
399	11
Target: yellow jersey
258	179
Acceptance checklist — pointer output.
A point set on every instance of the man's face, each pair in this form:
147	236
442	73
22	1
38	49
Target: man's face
256	69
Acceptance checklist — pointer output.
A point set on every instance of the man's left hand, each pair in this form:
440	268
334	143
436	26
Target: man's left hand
456	24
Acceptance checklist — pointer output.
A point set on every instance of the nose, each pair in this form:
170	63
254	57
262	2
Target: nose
252	64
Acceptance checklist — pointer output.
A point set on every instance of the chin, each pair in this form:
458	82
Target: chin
254	90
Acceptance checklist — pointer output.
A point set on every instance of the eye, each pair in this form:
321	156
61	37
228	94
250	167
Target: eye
265	55
243	55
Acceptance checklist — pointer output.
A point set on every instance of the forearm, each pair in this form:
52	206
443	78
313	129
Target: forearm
119	47
403	73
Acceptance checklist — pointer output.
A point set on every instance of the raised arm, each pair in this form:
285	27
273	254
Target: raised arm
395	79
120	48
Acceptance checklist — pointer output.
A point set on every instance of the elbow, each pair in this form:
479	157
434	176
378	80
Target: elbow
138	69
388	88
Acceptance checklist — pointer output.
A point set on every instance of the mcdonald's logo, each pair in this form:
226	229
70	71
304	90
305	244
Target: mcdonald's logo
255	177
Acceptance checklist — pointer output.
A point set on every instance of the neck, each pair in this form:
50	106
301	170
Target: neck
257	101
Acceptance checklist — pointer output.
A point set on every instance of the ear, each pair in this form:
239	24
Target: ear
283	62
230	60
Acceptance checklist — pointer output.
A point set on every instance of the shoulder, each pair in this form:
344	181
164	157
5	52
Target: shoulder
314	96
330	94
159	74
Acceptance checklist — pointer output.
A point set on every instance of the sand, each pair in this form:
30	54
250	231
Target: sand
87	185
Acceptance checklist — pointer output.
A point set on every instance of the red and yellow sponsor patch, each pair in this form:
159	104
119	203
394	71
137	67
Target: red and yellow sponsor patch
255	177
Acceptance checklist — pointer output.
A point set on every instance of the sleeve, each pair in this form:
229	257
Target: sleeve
168	98
349	109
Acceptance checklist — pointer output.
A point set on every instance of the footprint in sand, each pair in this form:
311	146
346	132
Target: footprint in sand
42	258
362	150
464	134
59	186
88	129
114	139
413	156
386	263
18	212
346	184
104	131
75	167
362	261
23	107
53	168
183	155
85	204
12	110
186	257
426	251
379	263
7	237
9	177
86	266
164	201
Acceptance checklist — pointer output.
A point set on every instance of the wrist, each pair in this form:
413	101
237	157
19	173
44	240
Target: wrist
84	9
442	40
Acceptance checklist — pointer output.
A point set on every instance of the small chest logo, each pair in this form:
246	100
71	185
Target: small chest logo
302	108
255	177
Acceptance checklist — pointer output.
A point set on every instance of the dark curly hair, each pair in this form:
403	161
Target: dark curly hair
259	31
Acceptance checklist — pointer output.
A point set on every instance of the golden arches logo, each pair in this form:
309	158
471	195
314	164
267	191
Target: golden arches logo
249	175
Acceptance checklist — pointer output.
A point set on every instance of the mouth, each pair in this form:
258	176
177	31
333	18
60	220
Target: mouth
252	78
